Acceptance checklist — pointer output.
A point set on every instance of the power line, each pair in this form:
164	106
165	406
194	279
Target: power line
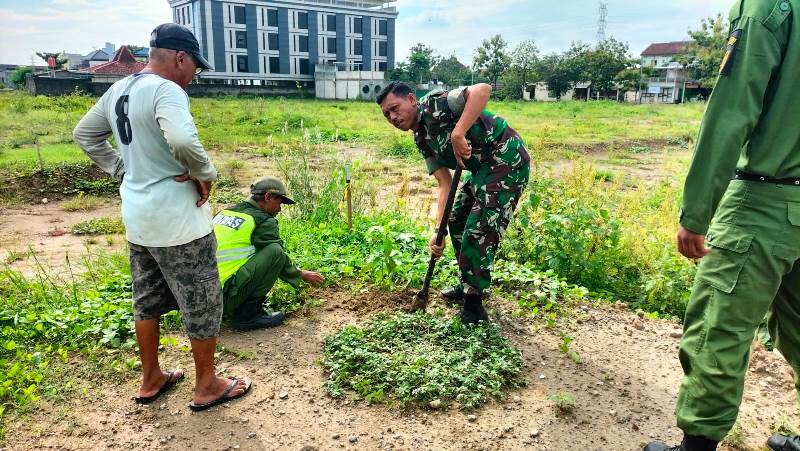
601	24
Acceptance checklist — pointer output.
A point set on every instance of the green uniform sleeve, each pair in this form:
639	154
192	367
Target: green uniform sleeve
731	115
267	233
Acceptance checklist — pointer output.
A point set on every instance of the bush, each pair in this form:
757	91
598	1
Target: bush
402	147
575	237
617	243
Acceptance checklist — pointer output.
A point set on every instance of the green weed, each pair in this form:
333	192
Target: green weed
735	439
14	256
98	226
419	358
82	202
563	403
784	426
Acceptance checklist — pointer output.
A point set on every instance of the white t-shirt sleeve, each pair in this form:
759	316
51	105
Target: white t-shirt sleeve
92	133
175	120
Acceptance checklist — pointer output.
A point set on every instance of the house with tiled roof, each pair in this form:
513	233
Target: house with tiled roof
96	57
668	83
122	65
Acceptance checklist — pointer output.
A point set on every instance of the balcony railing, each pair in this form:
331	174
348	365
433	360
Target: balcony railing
361	4
666	80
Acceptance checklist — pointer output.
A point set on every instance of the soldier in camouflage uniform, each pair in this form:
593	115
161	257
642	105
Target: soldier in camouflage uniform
453	128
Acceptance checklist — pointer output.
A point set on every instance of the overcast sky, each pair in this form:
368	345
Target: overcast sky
450	26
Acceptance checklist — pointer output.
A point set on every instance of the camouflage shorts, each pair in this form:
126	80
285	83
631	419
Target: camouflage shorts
181	278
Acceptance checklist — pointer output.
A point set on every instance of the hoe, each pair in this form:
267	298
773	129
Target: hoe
421	299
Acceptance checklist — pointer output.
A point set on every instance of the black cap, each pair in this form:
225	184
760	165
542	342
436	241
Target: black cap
177	37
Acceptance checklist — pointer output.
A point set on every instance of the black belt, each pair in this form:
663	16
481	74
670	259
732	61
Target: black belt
740	175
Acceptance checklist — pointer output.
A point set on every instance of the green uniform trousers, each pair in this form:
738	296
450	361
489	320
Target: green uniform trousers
753	269
244	293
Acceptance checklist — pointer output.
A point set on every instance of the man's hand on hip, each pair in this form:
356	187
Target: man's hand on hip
692	245
461	149
312	278
203	188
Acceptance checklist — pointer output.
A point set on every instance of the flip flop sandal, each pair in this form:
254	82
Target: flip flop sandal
170	382
223	398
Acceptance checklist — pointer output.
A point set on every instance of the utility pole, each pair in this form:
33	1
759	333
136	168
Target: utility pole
601	23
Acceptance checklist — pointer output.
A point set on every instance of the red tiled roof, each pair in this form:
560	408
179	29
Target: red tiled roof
123	64
666	48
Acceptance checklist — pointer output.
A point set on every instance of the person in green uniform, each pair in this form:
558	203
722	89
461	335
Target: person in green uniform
742	200
251	257
453	128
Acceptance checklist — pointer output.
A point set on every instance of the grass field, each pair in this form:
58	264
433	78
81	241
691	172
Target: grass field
265	126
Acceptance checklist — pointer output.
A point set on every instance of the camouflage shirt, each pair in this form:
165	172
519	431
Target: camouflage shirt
439	111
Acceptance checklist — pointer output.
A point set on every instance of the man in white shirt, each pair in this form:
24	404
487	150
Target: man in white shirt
169	231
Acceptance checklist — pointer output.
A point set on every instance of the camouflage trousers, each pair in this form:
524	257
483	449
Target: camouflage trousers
481	213
181	278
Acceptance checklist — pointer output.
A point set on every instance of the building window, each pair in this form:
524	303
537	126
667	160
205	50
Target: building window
302	43
273	41
302	20
238	15
383	29
382	48
357	47
241	39
274	65
382	66
303	68
358	25
331	19
272	17
331	45
241	63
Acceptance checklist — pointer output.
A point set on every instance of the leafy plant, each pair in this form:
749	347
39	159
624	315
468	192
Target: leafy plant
563	402
419	358
98	226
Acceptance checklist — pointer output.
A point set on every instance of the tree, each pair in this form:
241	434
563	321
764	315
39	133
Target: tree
451	72
523	70
703	56
492	58
399	73
524	60
420	62
417	69
633	78
59	59
19	75
602	64
555	74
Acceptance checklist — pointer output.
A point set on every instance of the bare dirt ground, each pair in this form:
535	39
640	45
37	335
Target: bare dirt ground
625	392
39	235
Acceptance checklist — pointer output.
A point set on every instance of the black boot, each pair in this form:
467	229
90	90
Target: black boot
690	443
262	321
473	312
454	295
251	316
784	443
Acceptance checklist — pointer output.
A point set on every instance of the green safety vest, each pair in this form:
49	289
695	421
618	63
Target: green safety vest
234	248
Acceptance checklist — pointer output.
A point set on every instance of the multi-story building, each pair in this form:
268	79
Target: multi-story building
283	40
668	84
